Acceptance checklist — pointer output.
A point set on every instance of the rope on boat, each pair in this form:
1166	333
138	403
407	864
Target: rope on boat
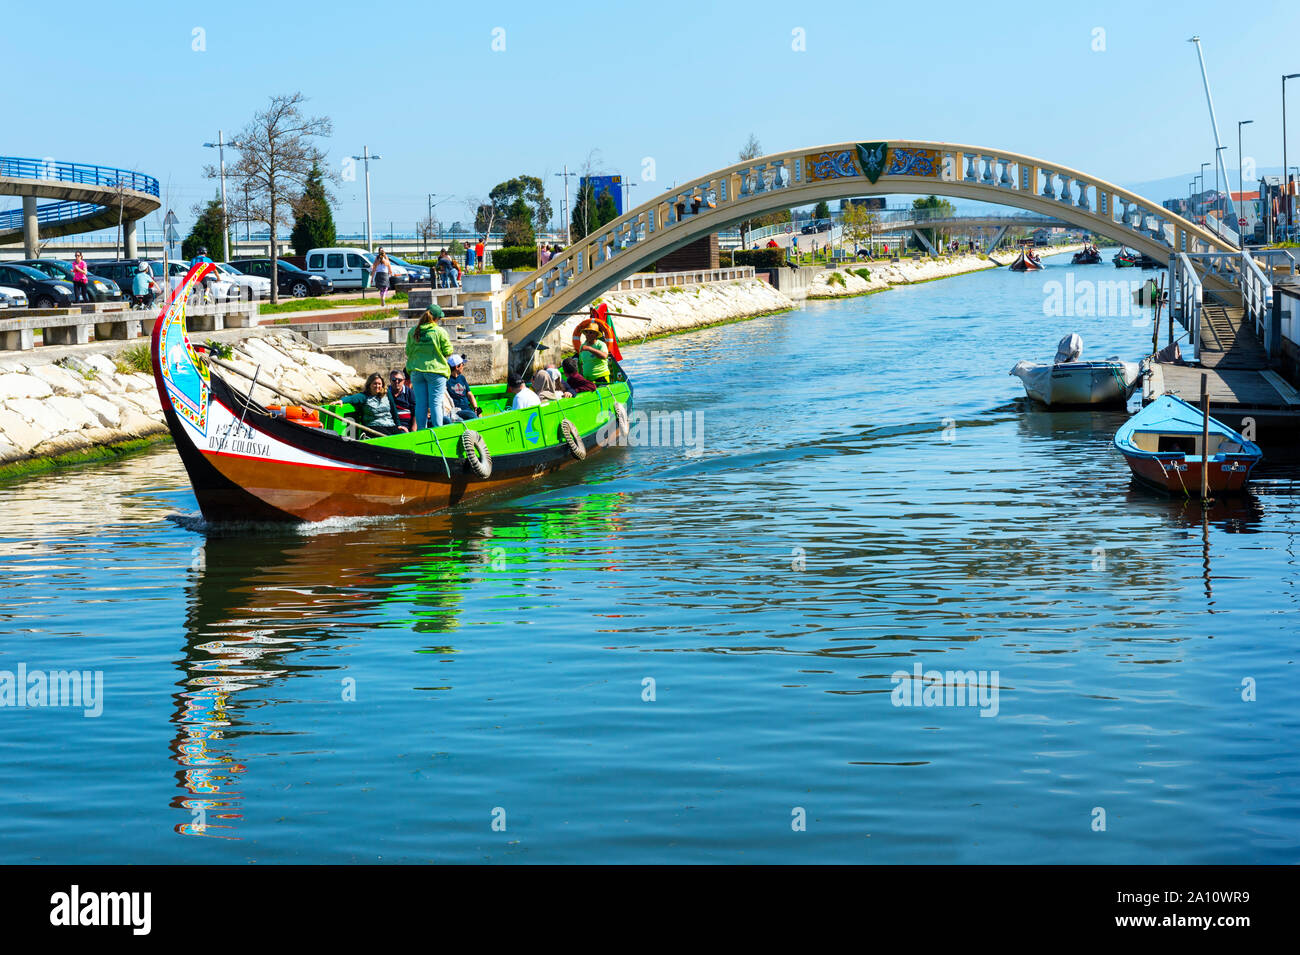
244	413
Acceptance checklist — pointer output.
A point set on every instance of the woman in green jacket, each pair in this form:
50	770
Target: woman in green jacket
427	348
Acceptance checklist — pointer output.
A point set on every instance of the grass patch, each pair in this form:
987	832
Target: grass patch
835	278
17	470
864	274
135	358
311	304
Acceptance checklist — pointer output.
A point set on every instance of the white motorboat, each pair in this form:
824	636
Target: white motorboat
1069	381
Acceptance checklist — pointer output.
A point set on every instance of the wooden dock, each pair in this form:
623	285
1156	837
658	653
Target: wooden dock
1240	384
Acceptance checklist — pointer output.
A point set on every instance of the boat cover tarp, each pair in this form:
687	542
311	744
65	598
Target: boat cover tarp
1069	349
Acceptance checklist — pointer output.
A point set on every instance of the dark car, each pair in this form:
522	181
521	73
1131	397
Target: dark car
292	280
41	290
122	271
102	288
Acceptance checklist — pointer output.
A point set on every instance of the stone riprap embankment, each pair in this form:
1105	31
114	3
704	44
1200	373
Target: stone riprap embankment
883	274
678	309
83	401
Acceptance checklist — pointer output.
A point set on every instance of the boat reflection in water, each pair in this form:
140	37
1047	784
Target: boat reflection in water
257	602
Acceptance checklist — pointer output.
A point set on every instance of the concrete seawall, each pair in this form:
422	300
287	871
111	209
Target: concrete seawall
69	404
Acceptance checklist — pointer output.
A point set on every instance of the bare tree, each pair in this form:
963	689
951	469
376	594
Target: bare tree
276	154
751	150
585	203
427	229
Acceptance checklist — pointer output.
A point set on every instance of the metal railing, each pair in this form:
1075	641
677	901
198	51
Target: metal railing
1257	300
49	212
1186	296
75	172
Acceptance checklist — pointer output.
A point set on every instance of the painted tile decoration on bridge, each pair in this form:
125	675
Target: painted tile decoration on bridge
827	165
905	161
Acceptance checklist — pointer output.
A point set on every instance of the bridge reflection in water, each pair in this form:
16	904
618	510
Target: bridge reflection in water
248	631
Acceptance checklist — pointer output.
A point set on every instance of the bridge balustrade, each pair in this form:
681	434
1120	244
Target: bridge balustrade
729	195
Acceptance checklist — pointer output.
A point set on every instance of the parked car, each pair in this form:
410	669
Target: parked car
41	290
418	273
251	286
293	280
346	268
102	289
12	297
122	271
222	289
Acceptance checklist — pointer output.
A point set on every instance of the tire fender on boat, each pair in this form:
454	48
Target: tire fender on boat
620	415
572	437
477	456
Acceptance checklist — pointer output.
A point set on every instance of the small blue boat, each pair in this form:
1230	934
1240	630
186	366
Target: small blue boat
1162	445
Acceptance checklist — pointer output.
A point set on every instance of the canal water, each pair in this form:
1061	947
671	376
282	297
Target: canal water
721	652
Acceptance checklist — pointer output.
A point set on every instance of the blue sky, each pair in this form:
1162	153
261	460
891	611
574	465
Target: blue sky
682	83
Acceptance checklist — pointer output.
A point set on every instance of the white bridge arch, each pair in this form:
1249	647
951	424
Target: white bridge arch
844	170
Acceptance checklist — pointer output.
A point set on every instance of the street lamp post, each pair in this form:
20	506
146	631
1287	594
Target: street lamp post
220	146
1201	189
1218	203
1241	184
627	194
568	226
366	157
1285	185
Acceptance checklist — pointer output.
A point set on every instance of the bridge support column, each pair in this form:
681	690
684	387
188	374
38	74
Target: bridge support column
128	235
31	229
997	237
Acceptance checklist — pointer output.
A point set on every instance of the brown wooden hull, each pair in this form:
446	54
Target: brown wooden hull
1223	479
329	478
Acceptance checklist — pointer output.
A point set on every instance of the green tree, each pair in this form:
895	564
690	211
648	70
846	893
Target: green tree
313	225
206	233
821	210
519	224
858	224
505	196
606	211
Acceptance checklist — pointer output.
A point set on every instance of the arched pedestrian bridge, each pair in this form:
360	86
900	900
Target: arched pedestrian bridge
845	170
88	198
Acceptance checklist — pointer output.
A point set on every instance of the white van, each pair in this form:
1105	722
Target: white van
347	268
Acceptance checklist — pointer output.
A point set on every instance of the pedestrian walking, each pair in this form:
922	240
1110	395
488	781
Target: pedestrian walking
80	280
381	270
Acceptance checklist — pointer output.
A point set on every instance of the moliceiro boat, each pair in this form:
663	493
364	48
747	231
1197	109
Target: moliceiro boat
1026	261
248	463
1070	382
1162	444
1088	255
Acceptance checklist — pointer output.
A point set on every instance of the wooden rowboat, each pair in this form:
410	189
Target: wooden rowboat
248	464
1162	444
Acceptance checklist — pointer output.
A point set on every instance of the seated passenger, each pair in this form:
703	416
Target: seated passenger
466	406
375	407
594	355
573	380
403	396
547	387
520	395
